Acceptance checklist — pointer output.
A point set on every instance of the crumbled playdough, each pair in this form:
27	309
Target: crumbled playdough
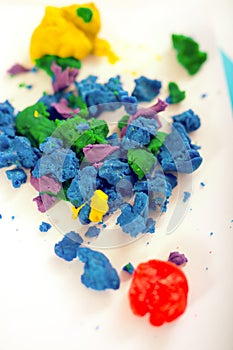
177	258
175	94
159	288
92	232
146	89
188	119
17	176
187	195
98	205
188	53
44	227
18	68
141	161
67	248
69	31
62	78
98	271
128	268
96	153
46	62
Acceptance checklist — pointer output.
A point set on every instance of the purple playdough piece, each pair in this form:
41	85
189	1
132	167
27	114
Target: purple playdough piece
44	202
17	68
63	78
98	152
150	112
177	258
63	109
45	184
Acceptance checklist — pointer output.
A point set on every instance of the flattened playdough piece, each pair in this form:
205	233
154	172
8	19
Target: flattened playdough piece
64	33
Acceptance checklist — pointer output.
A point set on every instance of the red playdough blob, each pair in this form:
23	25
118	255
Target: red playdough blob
159	288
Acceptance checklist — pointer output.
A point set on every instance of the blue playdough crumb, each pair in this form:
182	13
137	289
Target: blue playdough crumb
17	177
44	227
13	217
67	248
187	195
146	89
211	233
98	271
204	95
92	231
202	184
128	268
0	216
188	119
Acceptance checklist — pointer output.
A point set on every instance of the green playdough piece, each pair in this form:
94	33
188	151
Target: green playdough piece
157	142
85	13
188	53
46	61
67	130
123	122
88	137
77	102
175	94
33	123
141	161
100	128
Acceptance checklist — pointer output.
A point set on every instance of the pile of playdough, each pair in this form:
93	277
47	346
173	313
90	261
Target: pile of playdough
71	155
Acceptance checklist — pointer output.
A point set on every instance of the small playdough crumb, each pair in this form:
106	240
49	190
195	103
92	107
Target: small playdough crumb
177	258
128	268
44	227
202	184
188	53
175	94
187	195
92	232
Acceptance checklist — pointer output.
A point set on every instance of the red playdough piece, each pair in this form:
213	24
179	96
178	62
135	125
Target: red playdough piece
159	288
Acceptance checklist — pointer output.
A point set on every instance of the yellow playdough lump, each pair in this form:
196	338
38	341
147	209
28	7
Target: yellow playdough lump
99	206
70	31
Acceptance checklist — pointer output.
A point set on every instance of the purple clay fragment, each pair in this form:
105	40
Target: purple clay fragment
63	78
45	184
177	258
68	247
98	271
96	153
18	68
44	227
62	108
44	202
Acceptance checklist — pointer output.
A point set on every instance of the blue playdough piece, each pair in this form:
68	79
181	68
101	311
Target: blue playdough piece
17	176
188	119
44	227
114	170
98	271
133	219
57	161
67	248
128	268
83	214
27	155
7	119
177	152
187	195
82	186
92	231
141	130
146	89
115	200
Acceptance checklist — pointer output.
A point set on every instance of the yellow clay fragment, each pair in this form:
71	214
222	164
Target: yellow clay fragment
75	211
99	206
62	32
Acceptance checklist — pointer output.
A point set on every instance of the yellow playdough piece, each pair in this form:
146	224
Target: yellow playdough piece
99	206
75	211
62	32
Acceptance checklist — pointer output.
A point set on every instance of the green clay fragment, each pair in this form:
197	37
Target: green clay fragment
175	94
77	102
123	122
46	61
141	161
99	127
188	53
67	130
85	13
157	142
33	123
88	137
